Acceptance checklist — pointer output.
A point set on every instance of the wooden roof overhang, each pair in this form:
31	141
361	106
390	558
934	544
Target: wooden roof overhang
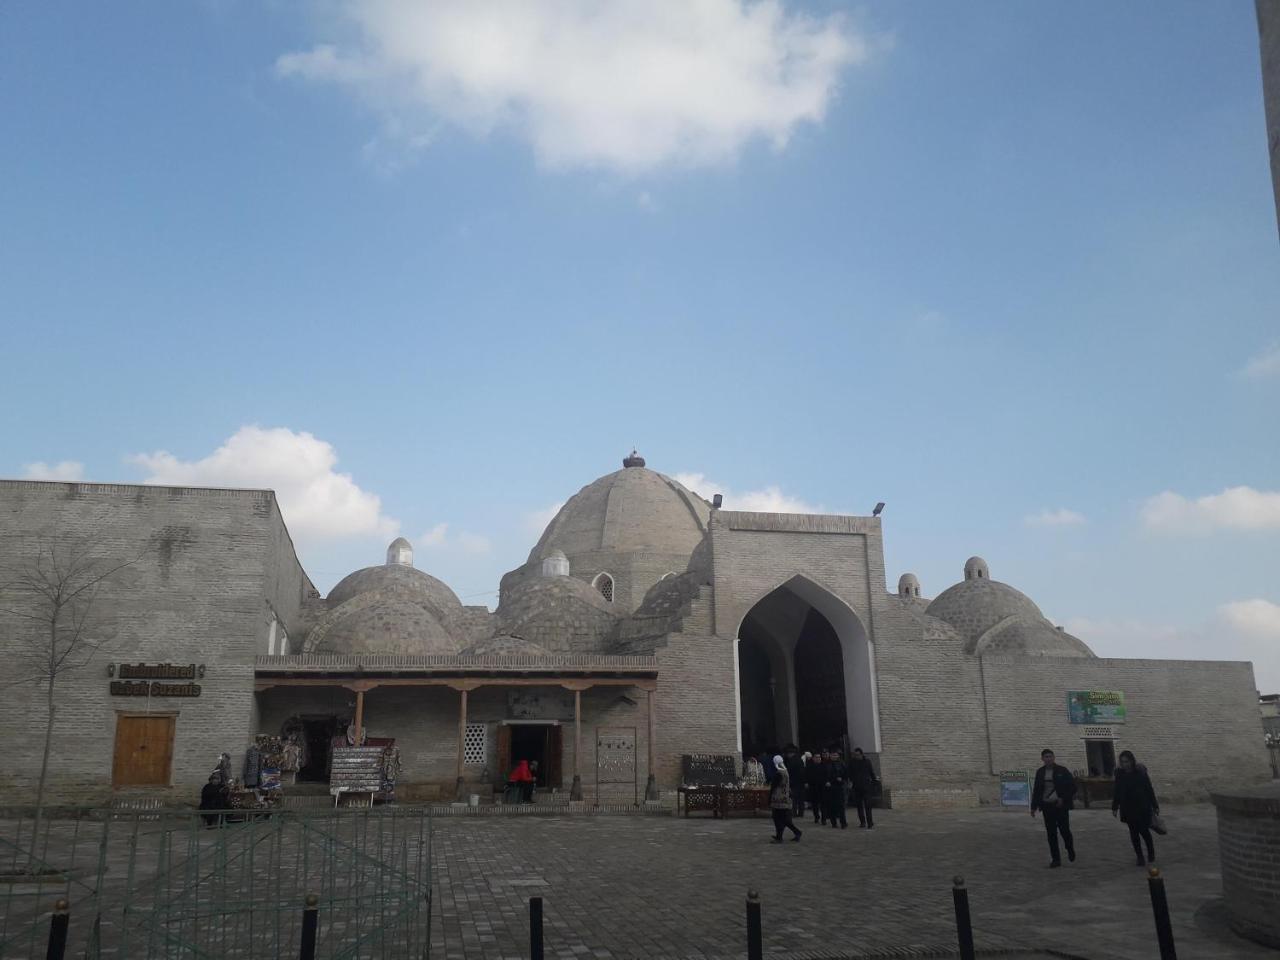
367	671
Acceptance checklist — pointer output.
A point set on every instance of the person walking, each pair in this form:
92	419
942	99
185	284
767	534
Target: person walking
1052	794
863	776
813	782
1134	800
834	775
794	763
780	802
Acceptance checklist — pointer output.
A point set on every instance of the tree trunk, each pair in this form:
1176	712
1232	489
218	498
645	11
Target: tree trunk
44	771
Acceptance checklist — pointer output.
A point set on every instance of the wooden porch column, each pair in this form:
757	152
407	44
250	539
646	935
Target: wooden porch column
651	787
462	736
359	724
575	791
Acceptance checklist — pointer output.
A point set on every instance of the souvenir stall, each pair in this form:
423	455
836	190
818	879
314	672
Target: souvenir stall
363	773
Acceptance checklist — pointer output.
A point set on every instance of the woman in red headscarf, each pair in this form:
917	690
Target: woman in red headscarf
520	783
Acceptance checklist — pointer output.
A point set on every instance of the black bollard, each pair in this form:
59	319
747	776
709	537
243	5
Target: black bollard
964	928
1160	908
755	942
310	920
58	930
535	928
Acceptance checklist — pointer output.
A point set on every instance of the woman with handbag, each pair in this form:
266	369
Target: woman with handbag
1135	801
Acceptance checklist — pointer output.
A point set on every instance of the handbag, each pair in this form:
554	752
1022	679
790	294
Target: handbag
1158	825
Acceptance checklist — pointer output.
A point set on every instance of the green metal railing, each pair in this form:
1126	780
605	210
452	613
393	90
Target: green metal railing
182	884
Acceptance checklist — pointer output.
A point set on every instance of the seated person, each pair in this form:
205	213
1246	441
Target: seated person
520	782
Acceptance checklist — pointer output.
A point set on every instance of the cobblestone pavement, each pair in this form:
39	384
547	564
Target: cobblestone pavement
665	887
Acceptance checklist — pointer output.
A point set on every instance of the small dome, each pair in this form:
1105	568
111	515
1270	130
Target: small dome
400	552
908	585
555	564
635	460
504	645
389	626
975	568
561	614
994	617
398	577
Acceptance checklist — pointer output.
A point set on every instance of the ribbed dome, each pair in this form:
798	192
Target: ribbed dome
975	606
387	626
504	646
993	617
633	509
397	577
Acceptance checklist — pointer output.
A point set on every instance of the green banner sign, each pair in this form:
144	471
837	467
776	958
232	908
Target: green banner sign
1095	706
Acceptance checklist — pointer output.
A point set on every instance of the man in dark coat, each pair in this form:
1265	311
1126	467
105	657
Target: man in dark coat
214	796
834	775
1135	801
796	774
1052	794
814	775
863	776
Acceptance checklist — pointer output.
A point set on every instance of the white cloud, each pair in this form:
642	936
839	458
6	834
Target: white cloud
1062	517
66	470
438	538
630	85
1236	508
317	502
1255	618
768	499
1265	364
1244	630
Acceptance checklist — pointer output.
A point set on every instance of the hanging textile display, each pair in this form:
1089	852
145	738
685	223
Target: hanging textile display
252	766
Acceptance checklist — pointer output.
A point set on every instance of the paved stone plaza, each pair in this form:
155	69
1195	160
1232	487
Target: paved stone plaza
658	887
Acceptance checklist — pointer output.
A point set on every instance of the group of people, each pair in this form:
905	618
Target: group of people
1133	801
821	782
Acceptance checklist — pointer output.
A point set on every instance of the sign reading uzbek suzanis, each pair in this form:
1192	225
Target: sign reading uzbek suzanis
1095	706
149	680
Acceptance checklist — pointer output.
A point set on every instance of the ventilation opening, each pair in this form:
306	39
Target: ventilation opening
604	583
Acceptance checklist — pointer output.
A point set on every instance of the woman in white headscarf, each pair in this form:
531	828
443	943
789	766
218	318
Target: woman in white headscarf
780	802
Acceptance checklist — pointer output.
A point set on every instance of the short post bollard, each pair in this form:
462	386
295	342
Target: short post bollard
535	928
58	930
1160	908
755	942
964	927
310	921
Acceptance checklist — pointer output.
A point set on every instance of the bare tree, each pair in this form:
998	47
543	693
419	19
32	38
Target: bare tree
53	596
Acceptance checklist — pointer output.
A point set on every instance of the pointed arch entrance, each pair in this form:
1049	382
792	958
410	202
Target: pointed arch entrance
805	672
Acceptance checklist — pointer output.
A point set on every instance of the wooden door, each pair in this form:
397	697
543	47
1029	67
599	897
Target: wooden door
555	756
504	757
144	751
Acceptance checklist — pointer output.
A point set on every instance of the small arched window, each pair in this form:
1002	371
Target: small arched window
604	583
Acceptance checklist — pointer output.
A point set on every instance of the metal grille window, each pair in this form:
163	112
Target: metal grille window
474	743
604	583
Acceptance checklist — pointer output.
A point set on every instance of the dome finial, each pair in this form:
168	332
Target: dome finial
975	568
635	460
400	553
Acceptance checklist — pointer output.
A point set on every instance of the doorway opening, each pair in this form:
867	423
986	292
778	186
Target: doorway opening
806	673
540	743
318	731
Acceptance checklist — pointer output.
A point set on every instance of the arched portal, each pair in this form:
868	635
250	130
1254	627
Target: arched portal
806	673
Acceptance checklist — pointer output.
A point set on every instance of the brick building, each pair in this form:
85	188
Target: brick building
646	625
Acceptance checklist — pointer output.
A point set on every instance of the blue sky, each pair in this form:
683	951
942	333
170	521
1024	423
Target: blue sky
996	265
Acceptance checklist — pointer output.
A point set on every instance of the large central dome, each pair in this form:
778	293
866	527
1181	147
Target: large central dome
623	533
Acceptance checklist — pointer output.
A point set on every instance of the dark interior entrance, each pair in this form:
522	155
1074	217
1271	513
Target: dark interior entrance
820	704
318	731
536	742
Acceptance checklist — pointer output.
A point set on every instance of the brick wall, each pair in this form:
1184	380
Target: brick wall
212	565
1249	845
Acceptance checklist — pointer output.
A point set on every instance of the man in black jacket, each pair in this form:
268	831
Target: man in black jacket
863	775
814	779
834	775
1052	795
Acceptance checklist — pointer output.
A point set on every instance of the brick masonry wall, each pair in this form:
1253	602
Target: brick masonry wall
1249	845
198	594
